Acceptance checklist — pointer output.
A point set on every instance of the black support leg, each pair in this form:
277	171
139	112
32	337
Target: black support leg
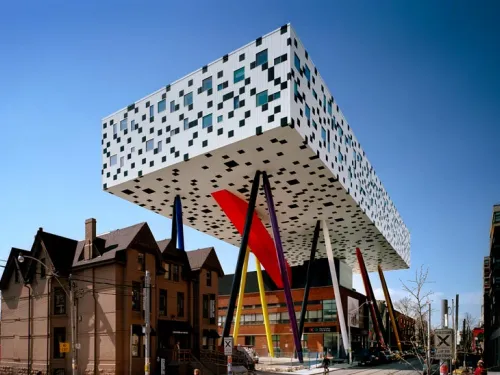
241	255
308	279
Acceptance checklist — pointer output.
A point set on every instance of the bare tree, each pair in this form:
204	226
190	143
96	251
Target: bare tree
470	323
417	303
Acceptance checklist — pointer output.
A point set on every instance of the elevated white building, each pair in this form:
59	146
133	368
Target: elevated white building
264	106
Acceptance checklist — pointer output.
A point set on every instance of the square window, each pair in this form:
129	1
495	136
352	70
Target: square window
297	62
162	105
132	125
188	99
113	160
123	124
186	124
115	129
307	72
308	112
219	118
315	94
323	133
152	111
261	57
207	121
220	86
159	146
239	75
261	98
122	161
236	101
150	145
206	84
172	106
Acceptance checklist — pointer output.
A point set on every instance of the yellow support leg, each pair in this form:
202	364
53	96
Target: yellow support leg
263	302
241	294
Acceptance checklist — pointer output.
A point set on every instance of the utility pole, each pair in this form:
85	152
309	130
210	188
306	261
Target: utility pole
147	312
454	334
74	369
429	362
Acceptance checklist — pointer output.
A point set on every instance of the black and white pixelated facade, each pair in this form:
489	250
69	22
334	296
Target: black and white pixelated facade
263	106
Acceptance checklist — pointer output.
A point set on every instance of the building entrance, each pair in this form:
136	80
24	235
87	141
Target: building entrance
331	344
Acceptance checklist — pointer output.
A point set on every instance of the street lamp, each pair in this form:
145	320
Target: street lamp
349	314
21	258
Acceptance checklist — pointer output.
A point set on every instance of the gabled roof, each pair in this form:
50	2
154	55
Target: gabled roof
204	258
107	246
61	250
11	265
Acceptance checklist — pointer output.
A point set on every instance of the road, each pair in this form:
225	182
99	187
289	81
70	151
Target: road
413	367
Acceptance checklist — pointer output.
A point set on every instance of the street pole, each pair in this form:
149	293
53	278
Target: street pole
453	361
147	290
74	369
429	362
349	334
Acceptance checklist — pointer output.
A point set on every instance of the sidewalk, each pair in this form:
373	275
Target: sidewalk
309	367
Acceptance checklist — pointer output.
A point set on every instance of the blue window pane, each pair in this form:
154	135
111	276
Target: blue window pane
219	118
261	57
307	72
315	94
239	75
276	95
123	124
132	125
113	160
315	125
220	86
150	145
186	124
159	146
341	133
151	111
188	99
324	102
162	105
207	121
172	106
236	101
308	112
297	62
323	133
341	157
206	84
330	109
115	129
261	98
295	88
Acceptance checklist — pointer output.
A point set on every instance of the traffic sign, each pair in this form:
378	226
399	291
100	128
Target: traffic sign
228	345
64	347
443	342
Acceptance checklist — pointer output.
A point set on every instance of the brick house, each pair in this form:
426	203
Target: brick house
107	276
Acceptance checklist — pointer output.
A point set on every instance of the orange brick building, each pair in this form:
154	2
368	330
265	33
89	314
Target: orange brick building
321	329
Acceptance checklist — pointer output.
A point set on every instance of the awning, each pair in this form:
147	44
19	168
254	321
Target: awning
174	327
210	333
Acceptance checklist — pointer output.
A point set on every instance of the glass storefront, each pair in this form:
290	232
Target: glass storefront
331	344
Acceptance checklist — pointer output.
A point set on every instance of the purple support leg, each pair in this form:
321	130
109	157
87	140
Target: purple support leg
282	264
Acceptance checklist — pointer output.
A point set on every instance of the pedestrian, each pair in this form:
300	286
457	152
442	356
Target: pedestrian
177	350
196	371
326	364
480	370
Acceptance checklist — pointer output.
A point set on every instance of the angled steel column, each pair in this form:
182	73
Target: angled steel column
263	302
180	228
390	307
308	279
376	320
336	289
282	264
173	236
241	295
241	256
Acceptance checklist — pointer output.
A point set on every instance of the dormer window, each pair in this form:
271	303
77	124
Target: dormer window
209	278
141	262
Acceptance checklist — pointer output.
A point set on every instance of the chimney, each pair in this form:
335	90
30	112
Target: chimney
90	235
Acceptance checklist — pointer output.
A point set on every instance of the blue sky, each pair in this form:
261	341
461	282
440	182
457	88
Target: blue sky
419	82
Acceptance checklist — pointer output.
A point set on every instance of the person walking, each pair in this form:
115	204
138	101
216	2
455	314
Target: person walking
326	364
480	370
